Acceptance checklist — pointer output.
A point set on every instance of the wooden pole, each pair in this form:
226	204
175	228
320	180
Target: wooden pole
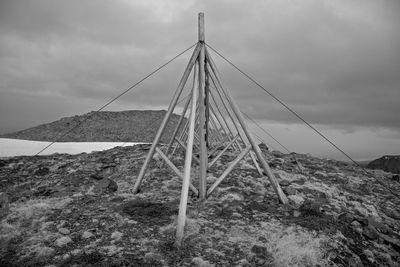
222	152
178	126
202	111
171	108
226	105
228	170
201	27
217	131
182	135
175	169
219	122
256	149
188	162
218	87
224	120
185	148
207	99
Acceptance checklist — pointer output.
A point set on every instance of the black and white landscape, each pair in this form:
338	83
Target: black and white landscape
82	95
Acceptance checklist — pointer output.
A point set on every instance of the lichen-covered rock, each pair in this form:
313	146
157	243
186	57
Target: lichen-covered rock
87	235
63	241
296	200
116	235
199	262
64	231
370	232
105	185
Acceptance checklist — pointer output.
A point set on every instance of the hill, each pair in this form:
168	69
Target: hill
78	210
103	126
389	163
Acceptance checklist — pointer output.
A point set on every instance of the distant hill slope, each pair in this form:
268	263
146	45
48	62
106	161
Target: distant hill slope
386	163
104	126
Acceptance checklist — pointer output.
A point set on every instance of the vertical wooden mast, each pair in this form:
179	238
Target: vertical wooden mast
202	111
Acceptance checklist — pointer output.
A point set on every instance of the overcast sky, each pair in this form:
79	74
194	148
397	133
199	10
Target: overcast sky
335	62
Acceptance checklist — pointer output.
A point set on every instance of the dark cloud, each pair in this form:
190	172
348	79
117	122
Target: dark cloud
335	62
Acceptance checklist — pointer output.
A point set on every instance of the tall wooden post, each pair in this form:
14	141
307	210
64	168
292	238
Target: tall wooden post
202	111
188	163
207	100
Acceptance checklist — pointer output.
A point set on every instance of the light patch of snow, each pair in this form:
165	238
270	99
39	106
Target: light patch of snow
15	147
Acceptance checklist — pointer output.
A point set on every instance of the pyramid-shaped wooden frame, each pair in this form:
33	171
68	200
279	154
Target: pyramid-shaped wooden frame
214	125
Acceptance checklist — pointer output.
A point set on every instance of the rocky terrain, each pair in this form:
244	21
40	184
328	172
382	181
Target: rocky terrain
103	126
386	163
65	210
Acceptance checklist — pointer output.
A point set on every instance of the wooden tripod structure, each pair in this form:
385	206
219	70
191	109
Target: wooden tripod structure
214	125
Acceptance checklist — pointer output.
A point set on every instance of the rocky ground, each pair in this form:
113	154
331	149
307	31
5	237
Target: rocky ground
78	210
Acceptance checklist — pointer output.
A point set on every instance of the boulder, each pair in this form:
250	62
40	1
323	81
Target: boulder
260	251
370	256
116	235
105	185
45	252
64	231
355	261
370	232
63	241
263	147
321	174
96	176
290	190
87	235
277	153
277	161
311	208
199	262
346	217
296	200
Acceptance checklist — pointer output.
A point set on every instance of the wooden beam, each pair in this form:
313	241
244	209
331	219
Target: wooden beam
202	118
224	120
222	152
201	27
188	163
207	100
226	105
221	93
219	122
256	149
228	170
217	129
171	108
185	148
175	169
178	126
256	164
183	133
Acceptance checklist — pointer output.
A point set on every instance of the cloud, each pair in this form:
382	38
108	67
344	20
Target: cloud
334	62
